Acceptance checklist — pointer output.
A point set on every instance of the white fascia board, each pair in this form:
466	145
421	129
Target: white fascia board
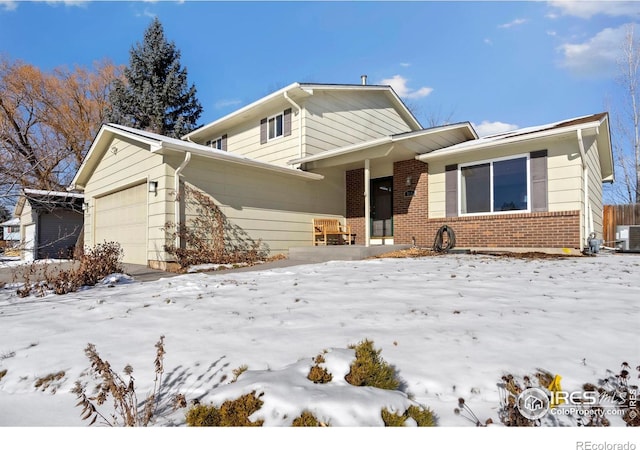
52	193
481	143
114	130
207	152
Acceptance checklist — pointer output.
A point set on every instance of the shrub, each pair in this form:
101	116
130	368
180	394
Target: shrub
123	393
307	419
3	373
95	264
232	413
423	417
369	369
317	374
510	389
618	389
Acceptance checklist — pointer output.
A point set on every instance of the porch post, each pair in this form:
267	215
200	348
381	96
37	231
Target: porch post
367	204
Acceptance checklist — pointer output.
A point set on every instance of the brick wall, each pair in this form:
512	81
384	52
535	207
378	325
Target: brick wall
411	217
355	203
546	229
410	213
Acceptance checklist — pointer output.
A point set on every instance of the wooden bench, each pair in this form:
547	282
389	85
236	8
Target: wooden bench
331	231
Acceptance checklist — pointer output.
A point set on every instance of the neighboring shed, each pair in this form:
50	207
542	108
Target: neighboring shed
10	237
50	223
11	230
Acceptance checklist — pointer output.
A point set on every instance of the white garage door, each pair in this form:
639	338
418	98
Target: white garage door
122	217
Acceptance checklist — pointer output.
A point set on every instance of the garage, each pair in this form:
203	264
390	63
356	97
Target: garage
122	217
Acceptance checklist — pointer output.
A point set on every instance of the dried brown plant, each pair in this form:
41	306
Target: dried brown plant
126	409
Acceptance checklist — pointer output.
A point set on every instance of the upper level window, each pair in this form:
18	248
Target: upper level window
275	126
495	186
215	143
219	143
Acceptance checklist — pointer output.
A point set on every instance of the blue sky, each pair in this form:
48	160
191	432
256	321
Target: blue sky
499	65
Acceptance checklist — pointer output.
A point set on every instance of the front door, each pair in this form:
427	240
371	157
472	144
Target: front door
382	207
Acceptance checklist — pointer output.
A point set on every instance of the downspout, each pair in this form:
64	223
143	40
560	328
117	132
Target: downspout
585	177
187	158
295	105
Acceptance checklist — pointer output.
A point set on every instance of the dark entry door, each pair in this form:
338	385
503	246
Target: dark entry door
382	207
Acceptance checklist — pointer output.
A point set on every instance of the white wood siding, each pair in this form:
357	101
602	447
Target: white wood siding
330	119
275	208
595	184
244	139
132	165
334	119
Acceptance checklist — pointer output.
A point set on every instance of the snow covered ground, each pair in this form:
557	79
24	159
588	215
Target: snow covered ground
451	325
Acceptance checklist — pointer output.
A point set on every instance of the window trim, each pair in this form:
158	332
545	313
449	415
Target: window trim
491	193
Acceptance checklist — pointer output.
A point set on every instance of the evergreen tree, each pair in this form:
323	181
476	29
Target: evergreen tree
155	96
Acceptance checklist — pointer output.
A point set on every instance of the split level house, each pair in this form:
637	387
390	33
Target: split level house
354	153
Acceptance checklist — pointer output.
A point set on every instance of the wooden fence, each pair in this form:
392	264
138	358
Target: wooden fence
615	215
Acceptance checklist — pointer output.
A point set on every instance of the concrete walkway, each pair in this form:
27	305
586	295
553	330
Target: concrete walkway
297	256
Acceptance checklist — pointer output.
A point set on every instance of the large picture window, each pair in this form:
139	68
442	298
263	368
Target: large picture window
495	186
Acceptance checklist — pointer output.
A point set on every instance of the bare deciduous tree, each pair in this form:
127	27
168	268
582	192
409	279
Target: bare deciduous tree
47	122
627	145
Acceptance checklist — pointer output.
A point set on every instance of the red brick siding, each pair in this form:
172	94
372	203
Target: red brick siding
411	217
355	203
546	229
410	213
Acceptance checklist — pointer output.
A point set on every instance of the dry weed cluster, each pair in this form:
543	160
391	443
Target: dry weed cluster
126	409
95	264
615	391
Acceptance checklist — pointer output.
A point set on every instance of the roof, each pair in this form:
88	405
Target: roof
162	145
47	200
11	222
417	142
599	123
297	91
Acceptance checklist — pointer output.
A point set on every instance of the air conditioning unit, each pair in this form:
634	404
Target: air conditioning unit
628	238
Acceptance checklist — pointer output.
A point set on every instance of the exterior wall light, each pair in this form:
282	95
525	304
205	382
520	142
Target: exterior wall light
153	187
